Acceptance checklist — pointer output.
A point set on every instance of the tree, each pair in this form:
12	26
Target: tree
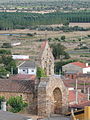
63	37
79	39
16	104
58	50
9	63
40	72
49	39
66	23
3	71
5	52
59	64
6	45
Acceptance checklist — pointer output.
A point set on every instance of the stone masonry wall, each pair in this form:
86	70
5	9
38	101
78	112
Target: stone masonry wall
46	97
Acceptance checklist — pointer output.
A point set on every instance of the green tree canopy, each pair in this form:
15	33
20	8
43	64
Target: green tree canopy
9	64
5	52
17	104
3	71
63	37
59	50
40	72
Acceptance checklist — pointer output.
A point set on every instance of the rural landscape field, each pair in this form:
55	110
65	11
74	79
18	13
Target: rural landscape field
45	59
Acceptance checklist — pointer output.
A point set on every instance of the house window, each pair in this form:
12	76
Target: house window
32	70
25	71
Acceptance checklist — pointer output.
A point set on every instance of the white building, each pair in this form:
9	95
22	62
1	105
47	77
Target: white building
16	44
27	67
76	67
20	57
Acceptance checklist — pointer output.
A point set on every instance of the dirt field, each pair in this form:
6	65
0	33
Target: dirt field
85	25
31	45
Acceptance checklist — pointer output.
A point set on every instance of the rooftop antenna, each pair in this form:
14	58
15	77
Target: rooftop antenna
12	70
84	87
88	94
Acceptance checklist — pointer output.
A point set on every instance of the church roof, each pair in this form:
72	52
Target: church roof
20	86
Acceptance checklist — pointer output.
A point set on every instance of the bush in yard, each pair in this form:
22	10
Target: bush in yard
6	45
16	103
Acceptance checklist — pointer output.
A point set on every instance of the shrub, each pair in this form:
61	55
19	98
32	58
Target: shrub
9	63
16	104
5	52
40	72
63	37
88	35
30	34
84	47
49	39
3	72
6	45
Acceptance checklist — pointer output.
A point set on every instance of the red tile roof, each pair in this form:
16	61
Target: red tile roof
72	96
22	77
81	105
80	64
72	83
18	83
25	86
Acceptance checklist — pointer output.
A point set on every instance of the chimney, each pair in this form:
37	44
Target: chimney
86	64
7	76
3	106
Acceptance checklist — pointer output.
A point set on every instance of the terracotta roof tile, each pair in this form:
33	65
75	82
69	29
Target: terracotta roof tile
72	83
7	85
81	105
80	64
72	96
22	77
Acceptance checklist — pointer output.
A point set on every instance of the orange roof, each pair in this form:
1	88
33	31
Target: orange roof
72	96
80	64
22	77
81	105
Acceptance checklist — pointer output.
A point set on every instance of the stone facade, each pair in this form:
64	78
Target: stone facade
50	101
46	59
27	97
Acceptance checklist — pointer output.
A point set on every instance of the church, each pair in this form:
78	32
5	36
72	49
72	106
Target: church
45	96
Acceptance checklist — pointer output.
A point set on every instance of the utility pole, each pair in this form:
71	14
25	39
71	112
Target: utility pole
88	94
11	70
84	87
76	93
